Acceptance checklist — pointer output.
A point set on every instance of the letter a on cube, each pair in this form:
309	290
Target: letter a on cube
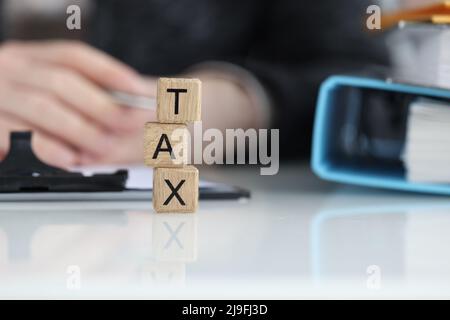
165	145
175	189
178	100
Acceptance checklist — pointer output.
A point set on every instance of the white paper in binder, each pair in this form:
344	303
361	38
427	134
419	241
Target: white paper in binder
427	147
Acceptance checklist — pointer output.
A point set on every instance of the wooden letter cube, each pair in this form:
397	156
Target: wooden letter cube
175	189
165	145
178	100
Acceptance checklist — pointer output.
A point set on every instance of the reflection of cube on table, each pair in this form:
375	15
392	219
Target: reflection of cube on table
175	189
163	273
174	237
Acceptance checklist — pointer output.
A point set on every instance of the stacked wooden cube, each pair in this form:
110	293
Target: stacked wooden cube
175	183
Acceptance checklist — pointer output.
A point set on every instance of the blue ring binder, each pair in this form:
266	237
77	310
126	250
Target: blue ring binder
328	168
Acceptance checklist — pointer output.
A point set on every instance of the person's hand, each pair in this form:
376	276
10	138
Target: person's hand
57	89
228	102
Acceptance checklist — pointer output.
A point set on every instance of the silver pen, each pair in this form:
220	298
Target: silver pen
132	100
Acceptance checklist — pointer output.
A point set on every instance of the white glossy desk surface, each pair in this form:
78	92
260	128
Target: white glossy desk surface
297	237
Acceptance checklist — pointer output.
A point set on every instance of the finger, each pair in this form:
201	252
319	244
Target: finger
50	116
48	149
131	151
97	66
72	89
139	118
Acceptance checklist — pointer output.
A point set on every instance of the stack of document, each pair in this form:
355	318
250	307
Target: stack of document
427	146
420	42
421	54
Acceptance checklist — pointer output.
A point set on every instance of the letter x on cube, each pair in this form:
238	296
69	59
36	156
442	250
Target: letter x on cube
175	189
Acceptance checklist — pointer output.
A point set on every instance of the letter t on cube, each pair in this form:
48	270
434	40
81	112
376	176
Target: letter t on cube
178	100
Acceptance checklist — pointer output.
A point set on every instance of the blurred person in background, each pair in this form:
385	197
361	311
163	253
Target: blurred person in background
261	63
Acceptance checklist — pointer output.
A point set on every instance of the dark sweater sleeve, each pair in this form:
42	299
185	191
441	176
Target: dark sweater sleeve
291	46
300	45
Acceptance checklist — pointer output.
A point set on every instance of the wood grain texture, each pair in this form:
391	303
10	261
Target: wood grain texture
189	102
175	189
165	136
